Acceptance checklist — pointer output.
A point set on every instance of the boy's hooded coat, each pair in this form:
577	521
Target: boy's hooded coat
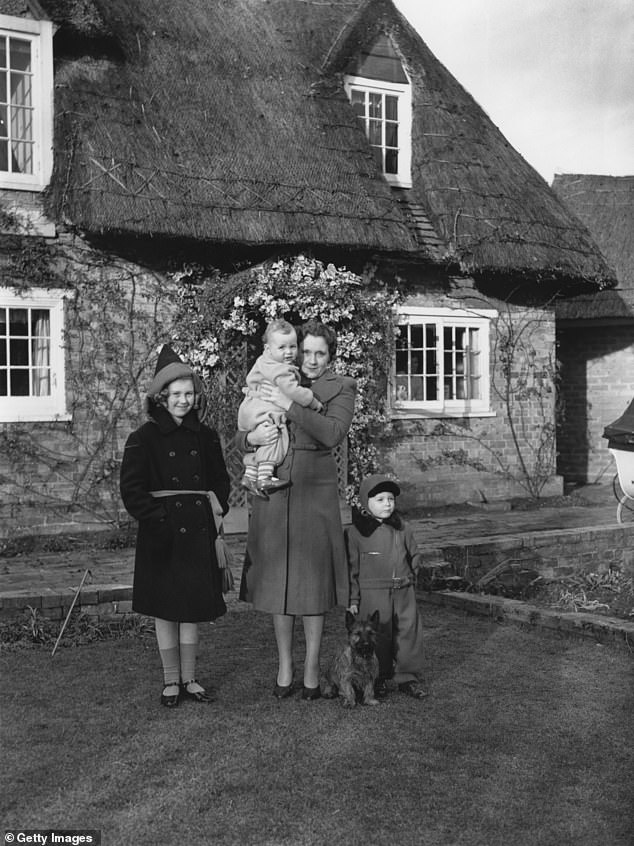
383	560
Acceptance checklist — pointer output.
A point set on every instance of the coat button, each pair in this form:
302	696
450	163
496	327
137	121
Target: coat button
174	478
183	530
193	452
196	477
199	502
172	454
178	504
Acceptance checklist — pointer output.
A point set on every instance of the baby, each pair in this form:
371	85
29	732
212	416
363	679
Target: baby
275	365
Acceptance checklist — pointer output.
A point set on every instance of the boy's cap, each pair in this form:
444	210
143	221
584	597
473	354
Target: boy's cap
373	485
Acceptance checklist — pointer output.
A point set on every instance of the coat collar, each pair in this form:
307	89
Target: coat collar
327	386
366	524
167	424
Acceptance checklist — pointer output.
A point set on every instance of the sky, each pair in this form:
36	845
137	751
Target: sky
555	76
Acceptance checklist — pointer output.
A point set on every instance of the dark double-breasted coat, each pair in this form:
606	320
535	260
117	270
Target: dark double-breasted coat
176	575
296	559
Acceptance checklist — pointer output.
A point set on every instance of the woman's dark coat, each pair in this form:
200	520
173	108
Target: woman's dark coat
176	575
296	559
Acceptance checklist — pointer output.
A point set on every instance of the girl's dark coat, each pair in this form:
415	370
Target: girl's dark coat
176	575
296	559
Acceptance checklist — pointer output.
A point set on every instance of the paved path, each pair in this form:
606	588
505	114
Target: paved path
55	571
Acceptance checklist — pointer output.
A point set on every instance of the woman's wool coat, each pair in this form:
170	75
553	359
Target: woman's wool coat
384	560
176	574
296	560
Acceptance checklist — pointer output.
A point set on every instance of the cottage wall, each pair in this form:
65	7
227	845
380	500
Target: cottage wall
481	458
62	476
597	384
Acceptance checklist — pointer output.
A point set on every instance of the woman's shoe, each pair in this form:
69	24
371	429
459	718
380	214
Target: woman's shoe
311	693
170	700
413	688
197	695
283	691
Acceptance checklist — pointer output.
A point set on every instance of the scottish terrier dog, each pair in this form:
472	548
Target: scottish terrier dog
353	672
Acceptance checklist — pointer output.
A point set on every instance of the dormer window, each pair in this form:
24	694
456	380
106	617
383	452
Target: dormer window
379	91
26	103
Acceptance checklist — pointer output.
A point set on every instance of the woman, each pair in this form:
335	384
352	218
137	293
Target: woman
296	561
173	474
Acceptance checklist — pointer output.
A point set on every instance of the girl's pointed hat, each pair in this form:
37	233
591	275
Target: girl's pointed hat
169	367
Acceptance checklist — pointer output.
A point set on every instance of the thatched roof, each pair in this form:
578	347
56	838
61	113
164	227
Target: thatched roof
226	121
605	205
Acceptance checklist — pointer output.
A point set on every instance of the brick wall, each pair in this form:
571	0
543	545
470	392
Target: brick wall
597	384
61	476
477	458
553	554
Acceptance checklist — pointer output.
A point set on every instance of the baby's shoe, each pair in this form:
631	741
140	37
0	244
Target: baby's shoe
252	486
272	484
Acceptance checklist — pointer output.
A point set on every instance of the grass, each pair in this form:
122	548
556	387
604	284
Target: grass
525	740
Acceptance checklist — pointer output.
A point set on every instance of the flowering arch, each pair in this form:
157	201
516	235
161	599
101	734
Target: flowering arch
221	314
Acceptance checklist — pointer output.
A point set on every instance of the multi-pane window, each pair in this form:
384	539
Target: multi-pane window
378	113
441	361
25	352
26	97
16	105
31	356
384	112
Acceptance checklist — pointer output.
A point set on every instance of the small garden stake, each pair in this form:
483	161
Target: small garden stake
72	605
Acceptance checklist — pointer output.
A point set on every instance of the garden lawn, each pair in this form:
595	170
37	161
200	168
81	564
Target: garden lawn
525	739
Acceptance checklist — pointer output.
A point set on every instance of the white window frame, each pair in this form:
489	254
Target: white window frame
32	409
403	92
40	34
440	407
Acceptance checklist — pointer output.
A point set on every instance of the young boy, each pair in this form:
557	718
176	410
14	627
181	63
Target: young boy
275	365
383	559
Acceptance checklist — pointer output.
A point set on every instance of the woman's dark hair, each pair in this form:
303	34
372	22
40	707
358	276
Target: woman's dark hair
320	330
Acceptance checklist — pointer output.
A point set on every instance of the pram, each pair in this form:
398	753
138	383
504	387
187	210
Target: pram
620	435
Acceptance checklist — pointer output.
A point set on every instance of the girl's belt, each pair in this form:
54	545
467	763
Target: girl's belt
216	508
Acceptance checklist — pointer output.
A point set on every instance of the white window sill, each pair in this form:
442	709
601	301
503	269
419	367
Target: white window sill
425	414
36	417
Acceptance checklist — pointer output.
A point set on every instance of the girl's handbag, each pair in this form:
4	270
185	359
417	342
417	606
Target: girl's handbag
224	556
225	560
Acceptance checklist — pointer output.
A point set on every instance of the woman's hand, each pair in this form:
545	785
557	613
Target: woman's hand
273	394
264	434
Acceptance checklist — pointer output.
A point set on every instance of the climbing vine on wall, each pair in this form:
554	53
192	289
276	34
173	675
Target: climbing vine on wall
219	314
116	314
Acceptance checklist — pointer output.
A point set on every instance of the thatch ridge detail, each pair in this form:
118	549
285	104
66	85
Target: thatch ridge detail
605	205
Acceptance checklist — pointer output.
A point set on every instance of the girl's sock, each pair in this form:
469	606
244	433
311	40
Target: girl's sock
170	659
188	666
